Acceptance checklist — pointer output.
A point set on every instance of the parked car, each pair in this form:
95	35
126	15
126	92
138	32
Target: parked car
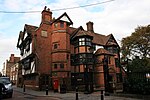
8	85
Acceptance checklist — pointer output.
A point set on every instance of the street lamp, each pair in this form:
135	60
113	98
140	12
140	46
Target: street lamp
106	74
86	80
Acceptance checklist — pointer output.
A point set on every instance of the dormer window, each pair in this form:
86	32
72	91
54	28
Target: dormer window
112	49
62	24
55	25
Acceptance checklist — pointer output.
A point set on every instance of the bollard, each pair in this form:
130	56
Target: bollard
102	95
24	88
46	89
76	93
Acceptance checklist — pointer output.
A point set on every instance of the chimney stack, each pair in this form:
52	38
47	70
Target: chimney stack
46	15
90	26
12	59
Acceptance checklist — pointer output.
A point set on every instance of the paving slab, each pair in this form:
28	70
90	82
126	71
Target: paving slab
72	95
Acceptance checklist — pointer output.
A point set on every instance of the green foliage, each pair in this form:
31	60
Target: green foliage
136	77
138	43
140	65
137	85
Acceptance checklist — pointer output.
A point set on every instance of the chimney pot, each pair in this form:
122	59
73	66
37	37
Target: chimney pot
48	9
45	7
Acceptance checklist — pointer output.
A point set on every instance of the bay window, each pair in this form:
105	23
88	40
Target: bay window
85	41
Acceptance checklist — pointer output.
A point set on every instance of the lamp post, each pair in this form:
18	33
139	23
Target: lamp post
106	74
46	89
24	88
86	76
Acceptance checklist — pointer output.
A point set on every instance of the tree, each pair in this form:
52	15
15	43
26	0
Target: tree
138	43
140	65
136	81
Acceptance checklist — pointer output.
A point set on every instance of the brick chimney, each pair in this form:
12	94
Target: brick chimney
46	15
12	59
90	26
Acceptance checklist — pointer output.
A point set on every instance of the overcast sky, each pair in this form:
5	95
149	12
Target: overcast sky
119	17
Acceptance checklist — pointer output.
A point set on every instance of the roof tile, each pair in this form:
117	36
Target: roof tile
102	51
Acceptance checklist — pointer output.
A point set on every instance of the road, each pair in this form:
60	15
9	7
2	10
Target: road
40	95
22	96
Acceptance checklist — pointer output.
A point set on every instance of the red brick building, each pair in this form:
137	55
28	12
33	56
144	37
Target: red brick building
56	53
9	63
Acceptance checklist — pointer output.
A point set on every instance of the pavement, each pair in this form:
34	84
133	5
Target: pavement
81	96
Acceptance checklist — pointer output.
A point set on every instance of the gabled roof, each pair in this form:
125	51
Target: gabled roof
27	28
30	28
79	32
98	39
102	51
64	17
111	43
74	31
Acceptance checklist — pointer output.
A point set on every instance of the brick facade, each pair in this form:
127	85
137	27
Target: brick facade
9	63
60	54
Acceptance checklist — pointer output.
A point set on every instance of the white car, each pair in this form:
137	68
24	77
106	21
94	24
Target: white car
8	85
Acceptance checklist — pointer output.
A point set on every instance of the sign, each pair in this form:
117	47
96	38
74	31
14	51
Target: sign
77	79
